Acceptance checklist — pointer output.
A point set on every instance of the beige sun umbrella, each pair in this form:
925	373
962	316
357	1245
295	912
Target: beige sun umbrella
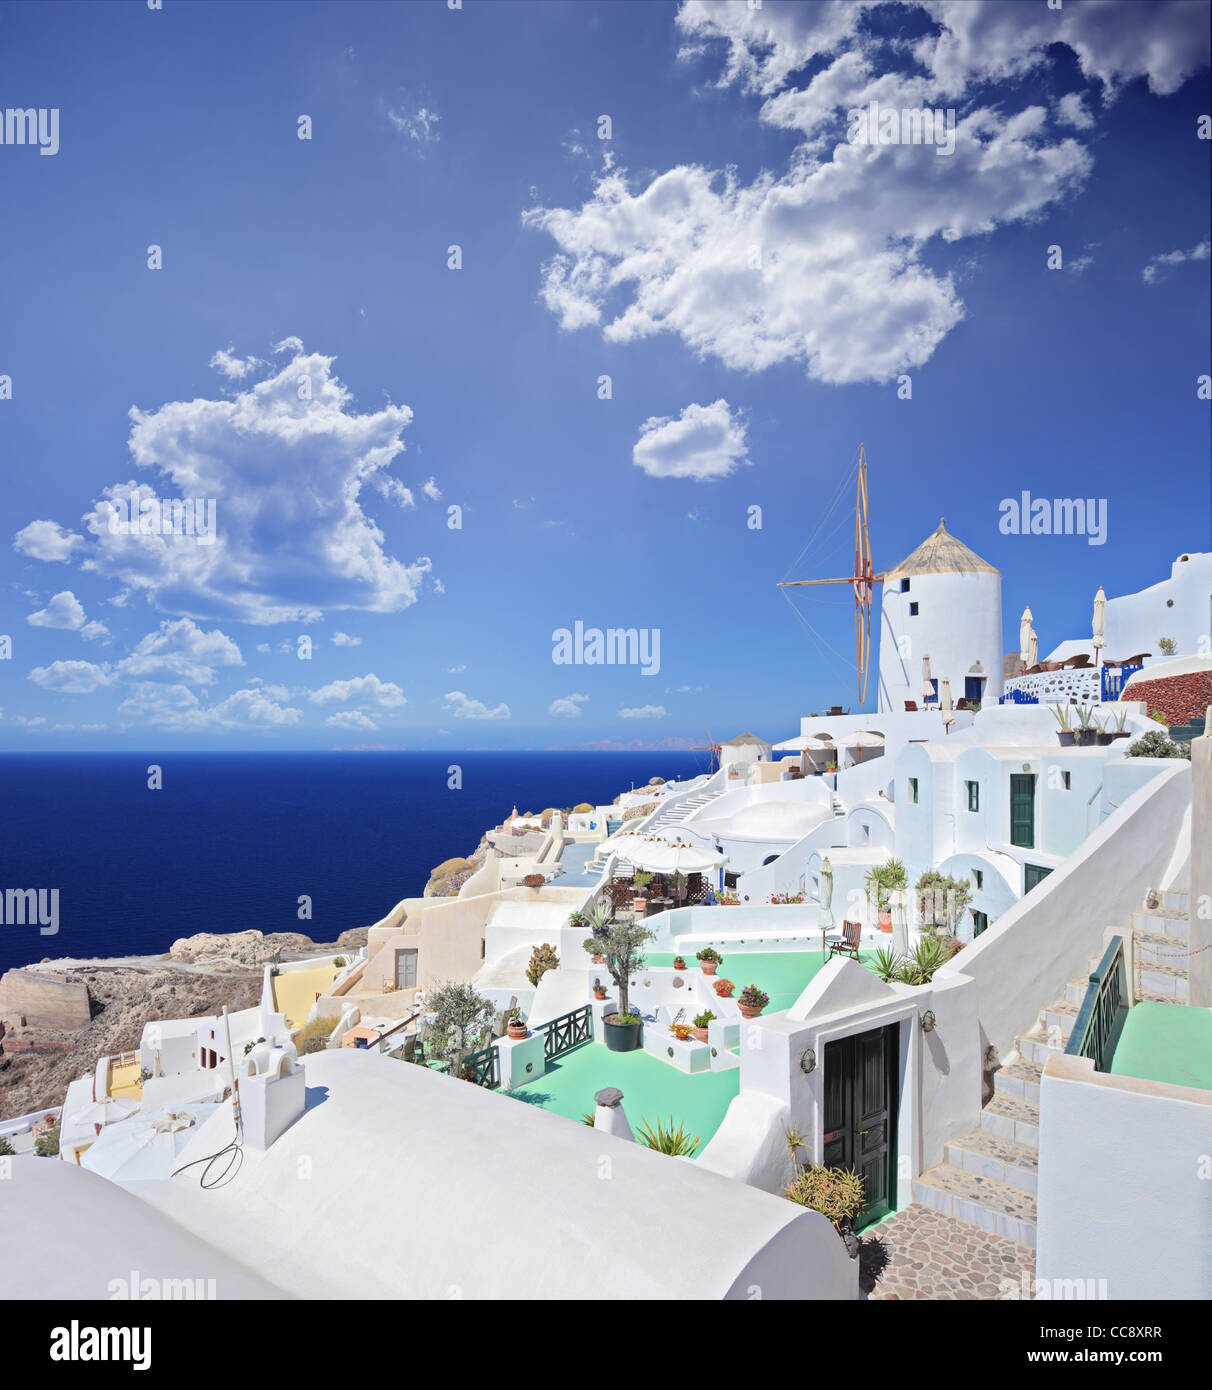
1032	647
863	738
944	701
1099	624
1024	639
826	894
927	683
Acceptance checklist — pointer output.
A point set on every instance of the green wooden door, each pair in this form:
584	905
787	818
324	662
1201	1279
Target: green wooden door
860	1113
1033	874
1022	809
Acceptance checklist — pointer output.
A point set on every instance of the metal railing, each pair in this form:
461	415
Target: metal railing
566	1032
1099	1013
1116	677
483	1067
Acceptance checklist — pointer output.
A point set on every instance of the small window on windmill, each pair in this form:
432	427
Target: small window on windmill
913	610
904	586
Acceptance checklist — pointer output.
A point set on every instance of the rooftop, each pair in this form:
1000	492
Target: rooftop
1166	1042
941	553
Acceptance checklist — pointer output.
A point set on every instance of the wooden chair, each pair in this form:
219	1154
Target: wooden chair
848	943
910	706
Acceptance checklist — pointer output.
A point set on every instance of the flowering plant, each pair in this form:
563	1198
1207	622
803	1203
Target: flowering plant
753	998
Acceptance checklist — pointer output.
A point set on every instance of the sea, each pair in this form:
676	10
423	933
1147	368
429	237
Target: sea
232	841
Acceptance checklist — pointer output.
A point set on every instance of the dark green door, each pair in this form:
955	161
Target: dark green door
1033	874
860	1112
1022	809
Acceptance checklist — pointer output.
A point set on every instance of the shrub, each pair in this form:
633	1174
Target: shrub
6	1149
542	959
582	808
703	1019
1158	744
753	998
451	866
317	1031
885	879
837	1193
667	1140
926	957
339	962
462	1022
47	1145
1167	646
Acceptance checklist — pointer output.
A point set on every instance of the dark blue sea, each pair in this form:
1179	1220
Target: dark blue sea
233	840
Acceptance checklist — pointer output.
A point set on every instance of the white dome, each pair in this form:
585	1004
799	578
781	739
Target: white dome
779	820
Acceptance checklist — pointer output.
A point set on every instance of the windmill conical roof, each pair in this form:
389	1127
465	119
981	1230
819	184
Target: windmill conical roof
941	553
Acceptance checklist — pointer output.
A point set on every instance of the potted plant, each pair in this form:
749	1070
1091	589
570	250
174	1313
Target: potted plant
700	1024
515	1025
599	990
1086	734
679	963
752	1001
533	881
1104	737
724	988
681	1031
1121	718
837	1193
709	959
1065	734
623	947
598	923
882	881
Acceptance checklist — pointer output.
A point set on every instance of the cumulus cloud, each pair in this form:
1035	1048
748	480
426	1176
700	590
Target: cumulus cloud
343	639
1159	265
1071	110
431	490
63	611
46	540
383	693
176	707
233	367
568	706
351	719
72	677
704	442
394	490
644	712
285	461
822	264
464	707
180	651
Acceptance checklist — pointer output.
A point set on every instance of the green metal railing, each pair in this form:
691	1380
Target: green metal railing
566	1032
1099	1013
484	1067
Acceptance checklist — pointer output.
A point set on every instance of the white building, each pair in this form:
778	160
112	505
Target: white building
943	602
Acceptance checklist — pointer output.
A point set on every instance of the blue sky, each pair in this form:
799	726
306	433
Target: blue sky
733	384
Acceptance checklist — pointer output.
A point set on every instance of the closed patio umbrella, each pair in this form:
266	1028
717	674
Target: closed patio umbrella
826	892
927	684
1024	639
1032	648
1099	623
944	701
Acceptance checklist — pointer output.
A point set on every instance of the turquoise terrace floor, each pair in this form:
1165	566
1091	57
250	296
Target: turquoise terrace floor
653	1089
1166	1042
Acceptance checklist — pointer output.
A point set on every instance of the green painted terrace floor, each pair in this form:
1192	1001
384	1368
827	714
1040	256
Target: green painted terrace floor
1166	1042
651	1089
780	974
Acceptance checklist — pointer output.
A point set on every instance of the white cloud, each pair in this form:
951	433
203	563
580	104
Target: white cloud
94	631
705	442
644	712
72	677
46	540
464	707
177	707
383	693
351	719
394	490
420	125
343	639
1160	264
431	490
232	367
456	670
568	706
63	611
822	264
263	647
285	473
180	651
1071	110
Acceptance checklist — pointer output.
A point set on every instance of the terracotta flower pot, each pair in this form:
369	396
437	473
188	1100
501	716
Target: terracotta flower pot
709	966
599	960
886	922
749	1010
679	964
599	994
701	1034
724	989
517	1031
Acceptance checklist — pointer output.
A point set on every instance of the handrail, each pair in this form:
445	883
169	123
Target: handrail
567	1031
1091	1034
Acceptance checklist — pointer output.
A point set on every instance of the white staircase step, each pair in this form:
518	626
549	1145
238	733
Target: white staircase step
989	1156
1011	1118
1177	897
1039	1045
980	1201
1020	1079
1060	1014
1163	921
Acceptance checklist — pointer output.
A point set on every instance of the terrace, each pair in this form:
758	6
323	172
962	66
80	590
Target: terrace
1166	1042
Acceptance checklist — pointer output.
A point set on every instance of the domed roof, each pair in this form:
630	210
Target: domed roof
779	820
941	553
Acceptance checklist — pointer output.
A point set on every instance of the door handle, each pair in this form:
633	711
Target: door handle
863	1132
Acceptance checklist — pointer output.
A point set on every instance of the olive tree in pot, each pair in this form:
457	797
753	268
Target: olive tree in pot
623	950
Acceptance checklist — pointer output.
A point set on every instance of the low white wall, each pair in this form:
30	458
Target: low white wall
1047	937
1123	1185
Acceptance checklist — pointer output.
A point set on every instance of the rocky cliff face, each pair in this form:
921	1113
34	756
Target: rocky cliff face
250	950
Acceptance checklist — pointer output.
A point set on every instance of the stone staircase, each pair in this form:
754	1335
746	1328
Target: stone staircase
679	810
989	1176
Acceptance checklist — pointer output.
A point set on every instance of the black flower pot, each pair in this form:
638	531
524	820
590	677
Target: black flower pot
1066	737
1105	740
622	1037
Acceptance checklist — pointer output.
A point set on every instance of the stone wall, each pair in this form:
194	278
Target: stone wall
44	1001
1060	687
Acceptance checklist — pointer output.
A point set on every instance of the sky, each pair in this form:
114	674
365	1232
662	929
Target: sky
456	327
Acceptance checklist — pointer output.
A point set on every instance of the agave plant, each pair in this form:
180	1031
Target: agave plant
927	956
886	963
667	1140
1061	714
837	1193
1085	716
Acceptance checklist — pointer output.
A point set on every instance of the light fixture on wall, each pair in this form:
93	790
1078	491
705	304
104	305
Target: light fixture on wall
807	1061
928	1021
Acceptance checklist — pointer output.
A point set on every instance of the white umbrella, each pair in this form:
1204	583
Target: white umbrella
826	892
144	1151
944	700
864	738
1032	647
626	846
660	857
1100	622
927	685
107	1111
1024	639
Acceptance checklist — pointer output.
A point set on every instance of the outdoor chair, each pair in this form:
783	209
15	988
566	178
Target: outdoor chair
910	706
848	943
